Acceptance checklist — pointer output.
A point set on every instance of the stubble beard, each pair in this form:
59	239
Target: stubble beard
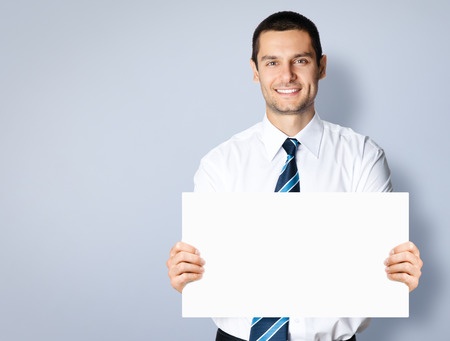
304	106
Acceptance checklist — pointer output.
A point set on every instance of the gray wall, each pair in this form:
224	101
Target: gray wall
106	108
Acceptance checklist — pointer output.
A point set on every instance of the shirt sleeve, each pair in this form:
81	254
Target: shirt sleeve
210	175
375	172
203	180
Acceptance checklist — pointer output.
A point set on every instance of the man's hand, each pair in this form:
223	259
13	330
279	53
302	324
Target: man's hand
404	265
185	265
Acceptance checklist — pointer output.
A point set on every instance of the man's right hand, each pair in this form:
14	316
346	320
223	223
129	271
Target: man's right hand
185	265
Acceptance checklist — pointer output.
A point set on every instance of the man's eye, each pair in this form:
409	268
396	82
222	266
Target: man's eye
301	61
271	63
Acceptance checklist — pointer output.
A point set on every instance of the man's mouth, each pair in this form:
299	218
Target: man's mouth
287	91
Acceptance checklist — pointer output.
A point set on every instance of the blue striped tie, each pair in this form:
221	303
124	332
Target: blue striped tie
289	180
276	328
269	328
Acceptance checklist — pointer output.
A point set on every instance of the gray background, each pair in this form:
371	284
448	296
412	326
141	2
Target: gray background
106	108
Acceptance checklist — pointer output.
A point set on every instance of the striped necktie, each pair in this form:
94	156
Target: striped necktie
276	328
289	180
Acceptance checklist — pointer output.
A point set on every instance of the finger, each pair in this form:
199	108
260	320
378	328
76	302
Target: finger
179	282
185	257
181	246
411	281
406	268
183	267
183	273
402	258
408	246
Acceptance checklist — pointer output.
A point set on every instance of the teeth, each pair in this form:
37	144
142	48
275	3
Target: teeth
287	91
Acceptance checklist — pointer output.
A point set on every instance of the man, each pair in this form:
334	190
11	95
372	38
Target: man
288	63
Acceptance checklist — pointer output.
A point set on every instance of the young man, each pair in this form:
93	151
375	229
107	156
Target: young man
288	63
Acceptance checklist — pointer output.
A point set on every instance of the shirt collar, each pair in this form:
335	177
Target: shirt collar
310	136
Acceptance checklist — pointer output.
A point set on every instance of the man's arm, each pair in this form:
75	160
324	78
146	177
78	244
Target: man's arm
403	263
185	264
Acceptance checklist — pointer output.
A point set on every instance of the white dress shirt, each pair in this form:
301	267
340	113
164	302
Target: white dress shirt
330	158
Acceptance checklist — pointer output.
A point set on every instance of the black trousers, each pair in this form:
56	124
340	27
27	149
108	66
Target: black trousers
222	336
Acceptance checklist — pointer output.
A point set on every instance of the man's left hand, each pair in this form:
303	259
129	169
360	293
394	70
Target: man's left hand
404	265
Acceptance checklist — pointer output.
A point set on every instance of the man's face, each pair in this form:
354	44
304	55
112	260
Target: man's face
288	72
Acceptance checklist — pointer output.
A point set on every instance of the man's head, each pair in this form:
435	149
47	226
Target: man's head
284	21
288	63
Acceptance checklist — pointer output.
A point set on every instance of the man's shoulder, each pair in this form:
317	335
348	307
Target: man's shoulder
246	135
338	130
239	142
347	135
353	147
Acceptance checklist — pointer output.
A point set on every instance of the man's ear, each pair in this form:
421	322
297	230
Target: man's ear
255	71
323	67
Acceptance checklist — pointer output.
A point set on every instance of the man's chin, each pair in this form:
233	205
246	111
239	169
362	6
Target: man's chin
293	109
290	111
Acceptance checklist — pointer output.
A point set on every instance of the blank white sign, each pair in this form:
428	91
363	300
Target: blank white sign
295	254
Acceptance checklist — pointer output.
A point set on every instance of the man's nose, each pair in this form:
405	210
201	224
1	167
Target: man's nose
287	73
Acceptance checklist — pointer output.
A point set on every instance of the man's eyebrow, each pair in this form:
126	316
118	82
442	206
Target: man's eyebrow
298	55
304	54
263	58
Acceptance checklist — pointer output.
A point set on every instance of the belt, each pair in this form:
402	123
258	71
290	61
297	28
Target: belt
222	336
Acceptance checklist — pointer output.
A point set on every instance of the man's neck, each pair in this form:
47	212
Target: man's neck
290	124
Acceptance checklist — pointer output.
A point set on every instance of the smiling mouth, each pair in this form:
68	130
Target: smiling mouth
287	91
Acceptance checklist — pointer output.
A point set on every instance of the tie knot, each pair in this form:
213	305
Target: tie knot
290	146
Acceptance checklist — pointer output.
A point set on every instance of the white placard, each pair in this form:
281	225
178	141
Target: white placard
295	254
